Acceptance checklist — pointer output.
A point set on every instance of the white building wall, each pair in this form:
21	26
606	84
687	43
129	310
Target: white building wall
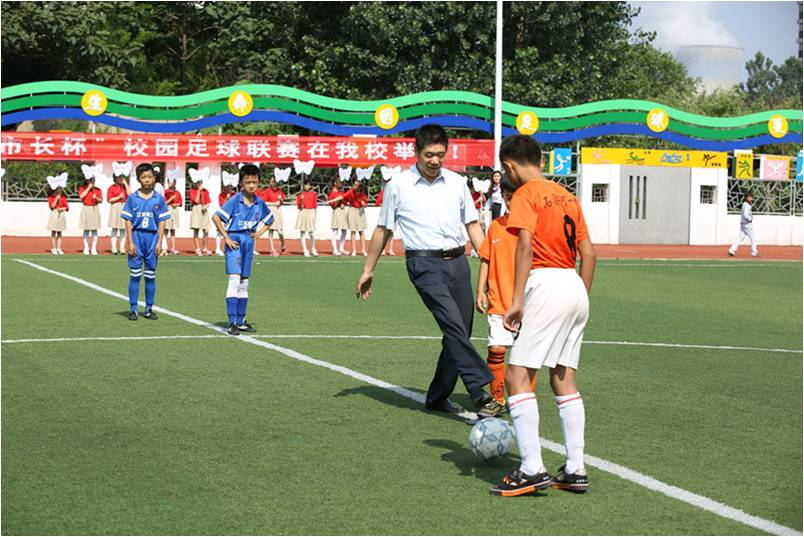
602	218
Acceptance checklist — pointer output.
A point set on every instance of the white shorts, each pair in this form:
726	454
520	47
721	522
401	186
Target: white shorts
498	335
556	311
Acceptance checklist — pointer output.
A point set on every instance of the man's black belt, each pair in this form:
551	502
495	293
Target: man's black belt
444	254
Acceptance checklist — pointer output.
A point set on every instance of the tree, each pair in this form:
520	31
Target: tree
772	86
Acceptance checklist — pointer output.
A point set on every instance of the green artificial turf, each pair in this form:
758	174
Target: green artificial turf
219	436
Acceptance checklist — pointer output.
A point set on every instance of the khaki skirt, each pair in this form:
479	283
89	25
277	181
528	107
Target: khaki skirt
276	225
173	223
115	222
357	219
198	219
57	221
339	218
305	221
90	218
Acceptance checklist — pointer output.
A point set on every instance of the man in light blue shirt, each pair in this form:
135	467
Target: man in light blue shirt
434	212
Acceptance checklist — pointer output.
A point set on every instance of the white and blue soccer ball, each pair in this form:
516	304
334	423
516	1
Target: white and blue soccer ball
491	437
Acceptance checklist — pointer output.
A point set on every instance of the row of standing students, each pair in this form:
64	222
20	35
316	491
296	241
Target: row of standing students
348	215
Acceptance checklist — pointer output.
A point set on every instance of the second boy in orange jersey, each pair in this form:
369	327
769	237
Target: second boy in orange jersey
548	313
495	287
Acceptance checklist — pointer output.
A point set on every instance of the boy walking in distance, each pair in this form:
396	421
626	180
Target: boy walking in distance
144	213
237	223
549	323
746	227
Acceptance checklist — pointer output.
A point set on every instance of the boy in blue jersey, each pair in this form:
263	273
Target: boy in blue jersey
144	213
237	223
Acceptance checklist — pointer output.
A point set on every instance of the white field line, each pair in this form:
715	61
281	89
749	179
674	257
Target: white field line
627	474
346	336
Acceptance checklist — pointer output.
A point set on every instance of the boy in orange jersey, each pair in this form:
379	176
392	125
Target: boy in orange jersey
495	287
548	314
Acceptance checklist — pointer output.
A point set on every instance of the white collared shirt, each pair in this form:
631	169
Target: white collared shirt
430	216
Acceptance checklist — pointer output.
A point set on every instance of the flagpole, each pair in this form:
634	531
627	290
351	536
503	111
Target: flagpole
498	87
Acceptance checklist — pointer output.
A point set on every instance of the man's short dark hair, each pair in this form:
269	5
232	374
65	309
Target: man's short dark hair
247	170
508	186
429	135
145	167
521	149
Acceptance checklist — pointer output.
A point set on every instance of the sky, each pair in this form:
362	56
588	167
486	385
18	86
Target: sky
768	27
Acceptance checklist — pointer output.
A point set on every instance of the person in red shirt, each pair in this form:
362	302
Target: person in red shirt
357	200
199	217
116	195
307	202
90	196
227	192
57	223
274	197
174	202
339	222
548	312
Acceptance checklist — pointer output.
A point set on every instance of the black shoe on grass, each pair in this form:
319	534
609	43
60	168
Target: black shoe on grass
233	330
132	316
517	483
573	482
444	406
246	327
150	315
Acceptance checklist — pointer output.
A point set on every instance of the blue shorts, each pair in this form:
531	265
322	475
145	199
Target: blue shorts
239	261
145	242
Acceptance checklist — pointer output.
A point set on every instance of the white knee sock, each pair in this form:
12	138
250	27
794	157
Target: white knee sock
573	420
94	239
86	240
343	238
334	240
525	415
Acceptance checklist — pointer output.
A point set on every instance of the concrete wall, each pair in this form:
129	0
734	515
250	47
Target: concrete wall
709	224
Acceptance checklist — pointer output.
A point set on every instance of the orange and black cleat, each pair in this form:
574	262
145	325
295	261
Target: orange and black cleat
517	483
573	482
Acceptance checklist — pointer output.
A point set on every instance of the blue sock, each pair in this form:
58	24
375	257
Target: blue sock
133	291
242	304
231	309
150	292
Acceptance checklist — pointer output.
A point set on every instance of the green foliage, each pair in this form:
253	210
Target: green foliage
772	86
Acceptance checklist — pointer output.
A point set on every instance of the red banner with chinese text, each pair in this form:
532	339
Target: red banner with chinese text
326	151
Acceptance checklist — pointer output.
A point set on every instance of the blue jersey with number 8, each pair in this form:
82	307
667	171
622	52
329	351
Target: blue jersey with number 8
145	214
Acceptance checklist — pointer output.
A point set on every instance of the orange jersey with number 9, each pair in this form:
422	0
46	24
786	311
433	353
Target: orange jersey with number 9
554	216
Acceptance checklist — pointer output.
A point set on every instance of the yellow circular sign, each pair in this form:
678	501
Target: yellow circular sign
527	122
94	102
657	120
240	103
386	116
777	126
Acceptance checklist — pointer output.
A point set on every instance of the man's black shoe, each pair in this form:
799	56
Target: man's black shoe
149	314
233	330
517	483
444	406
132	316
246	327
573	482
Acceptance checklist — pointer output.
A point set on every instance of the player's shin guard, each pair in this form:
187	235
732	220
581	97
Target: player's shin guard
573	421
134	287
496	361
242	300
231	297
150	288
525	415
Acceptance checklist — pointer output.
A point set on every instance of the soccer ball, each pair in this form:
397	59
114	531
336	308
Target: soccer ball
491	437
